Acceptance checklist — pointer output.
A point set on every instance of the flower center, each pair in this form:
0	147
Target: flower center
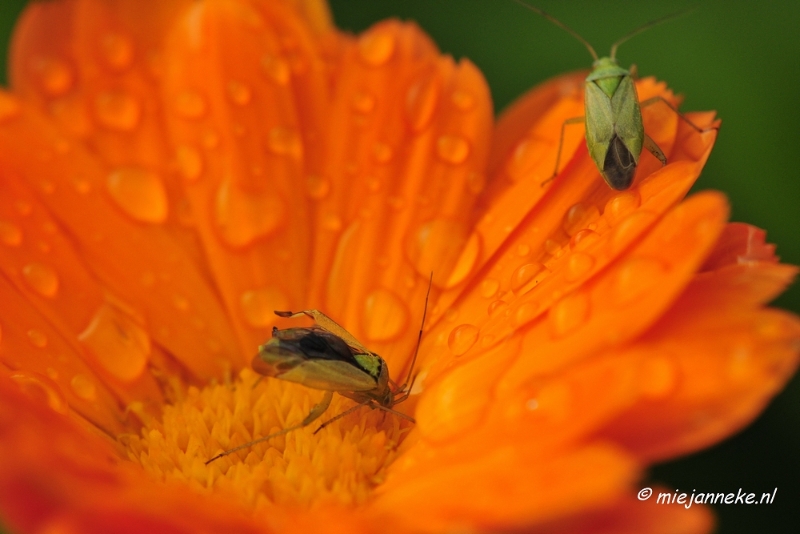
340	464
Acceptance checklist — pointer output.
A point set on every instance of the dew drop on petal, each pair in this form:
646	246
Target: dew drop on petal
569	313
242	217
239	93
41	278
10	234
628	229
55	76
524	275
277	69
525	313
443	247
41	388
523	250
421	101
189	162
462	338
119	346
497	307
83	387
578	265
37	338
190	105
578	217
284	142
81	185
317	186
117	111
376	47
489	288
139	193
635	277
385	315
452	149
258	305
583	239
620	205
362	102
117	50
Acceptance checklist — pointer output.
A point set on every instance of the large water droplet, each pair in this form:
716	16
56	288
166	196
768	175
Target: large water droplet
242	217
442	246
276	68
41	388
525	313
635	277
119	345
259	305
284	142
489	288
462	338
524	277
55	76
190	105
10	234
139	193
41	278
117	111
117	51
83	387
385	315
376	47
317	186
239	93
452	149
569	313
620	205
578	217
421	101
578	265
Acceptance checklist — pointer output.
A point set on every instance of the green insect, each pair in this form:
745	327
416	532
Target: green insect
614	131
329	358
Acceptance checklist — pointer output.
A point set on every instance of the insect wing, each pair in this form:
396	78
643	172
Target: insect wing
599	123
628	114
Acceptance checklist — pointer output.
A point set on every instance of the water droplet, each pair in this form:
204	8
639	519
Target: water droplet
189	162
524	277
117	51
55	76
83	387
553	247
583	239
362	102
569	313
190	105
443	247
332	222
118	344
385	315
284	142
9	107
462	338
277	69
452	149
317	186
10	234
239	93
37	338
382	152
258	305
620	205
41	388
658	377
41	278
524	158
497	307
578	217
421	101
139	193
241	217
376	47
526	313
578	265
489	288
628	229
463	100
523	250
117	111
635	277
81	185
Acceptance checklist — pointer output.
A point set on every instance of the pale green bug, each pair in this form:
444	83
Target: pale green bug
329	358
615	133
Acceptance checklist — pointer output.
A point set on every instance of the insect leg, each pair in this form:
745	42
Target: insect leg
346	412
651	101
573	120
652	147
315	412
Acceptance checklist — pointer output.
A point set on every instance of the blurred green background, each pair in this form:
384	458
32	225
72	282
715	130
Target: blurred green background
739	58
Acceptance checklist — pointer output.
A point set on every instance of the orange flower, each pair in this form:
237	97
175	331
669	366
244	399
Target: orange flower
173	172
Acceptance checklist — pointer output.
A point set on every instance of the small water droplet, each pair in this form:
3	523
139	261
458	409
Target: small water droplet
118	344
526	313
463	100
189	162
42	388
523	250
382	152
117	111
635	277
139	193
55	76
489	288
569	313
190	105
81	185
524	277
553	247
385	315
497	307
421	102
37	338
362	102
258	305
277	69
578	217
583	239
83	387
239	93
117	51
376	47
284	142
10	234
578	265
462	338
317	186
452	149
620	205
243	217
41	278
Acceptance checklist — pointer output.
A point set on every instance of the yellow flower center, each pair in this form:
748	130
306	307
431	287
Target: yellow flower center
340	464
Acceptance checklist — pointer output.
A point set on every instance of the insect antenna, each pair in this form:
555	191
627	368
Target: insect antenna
560	24
419	341
647	26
